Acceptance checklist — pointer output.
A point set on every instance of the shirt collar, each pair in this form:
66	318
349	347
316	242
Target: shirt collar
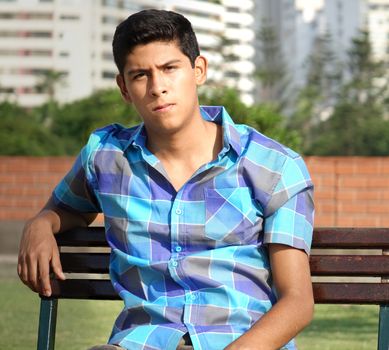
217	114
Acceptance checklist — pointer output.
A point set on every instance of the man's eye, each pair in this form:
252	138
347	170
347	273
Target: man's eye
139	75
168	68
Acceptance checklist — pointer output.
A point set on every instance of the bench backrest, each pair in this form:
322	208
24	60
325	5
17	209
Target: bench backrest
366	258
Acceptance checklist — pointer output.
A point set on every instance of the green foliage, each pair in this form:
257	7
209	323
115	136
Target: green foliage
353	129
74	122
344	112
265	117
31	132
22	134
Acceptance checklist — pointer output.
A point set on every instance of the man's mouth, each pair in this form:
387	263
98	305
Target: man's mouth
163	107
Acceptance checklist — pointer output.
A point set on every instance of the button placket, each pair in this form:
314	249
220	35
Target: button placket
176	221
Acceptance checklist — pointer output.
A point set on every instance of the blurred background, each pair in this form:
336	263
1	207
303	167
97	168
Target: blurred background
312	74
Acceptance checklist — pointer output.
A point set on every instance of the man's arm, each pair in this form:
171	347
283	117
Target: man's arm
294	308
38	248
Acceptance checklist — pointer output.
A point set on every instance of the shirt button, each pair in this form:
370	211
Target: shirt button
178	211
178	249
193	296
174	263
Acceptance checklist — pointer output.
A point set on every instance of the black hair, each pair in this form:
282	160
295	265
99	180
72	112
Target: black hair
153	25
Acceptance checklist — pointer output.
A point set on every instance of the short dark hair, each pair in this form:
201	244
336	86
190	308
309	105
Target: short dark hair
153	25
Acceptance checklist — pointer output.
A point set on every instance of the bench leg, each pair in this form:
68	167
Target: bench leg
47	324
383	328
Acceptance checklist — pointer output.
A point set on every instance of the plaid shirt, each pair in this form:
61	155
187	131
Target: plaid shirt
195	260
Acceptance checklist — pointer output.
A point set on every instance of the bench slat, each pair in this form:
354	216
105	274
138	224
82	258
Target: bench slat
358	238
92	236
351	293
83	289
327	293
321	265
85	262
349	265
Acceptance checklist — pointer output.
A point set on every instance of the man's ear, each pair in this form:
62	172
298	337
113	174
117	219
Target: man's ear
200	68
123	88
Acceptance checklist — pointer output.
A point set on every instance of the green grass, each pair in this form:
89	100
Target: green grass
341	327
82	324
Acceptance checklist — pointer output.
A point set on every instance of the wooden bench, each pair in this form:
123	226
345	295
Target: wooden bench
326	262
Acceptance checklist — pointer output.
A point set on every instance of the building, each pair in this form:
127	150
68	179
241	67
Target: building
298	23
73	37
378	26
239	49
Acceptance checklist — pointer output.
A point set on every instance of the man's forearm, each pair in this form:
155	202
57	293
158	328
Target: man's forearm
289	316
62	220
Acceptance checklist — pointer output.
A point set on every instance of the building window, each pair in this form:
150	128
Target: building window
6	90
112	3
106	37
232	9
107	55
39	34
6	15
69	18
110	20
108	75
39	53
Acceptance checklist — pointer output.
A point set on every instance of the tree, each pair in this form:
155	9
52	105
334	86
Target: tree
315	101
272	71
22	134
49	81
75	121
358	124
264	117
48	84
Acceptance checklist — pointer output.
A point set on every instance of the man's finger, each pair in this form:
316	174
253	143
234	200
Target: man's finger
23	271
44	277
33	281
56	265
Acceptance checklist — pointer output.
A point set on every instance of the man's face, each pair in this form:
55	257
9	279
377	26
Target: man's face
161	83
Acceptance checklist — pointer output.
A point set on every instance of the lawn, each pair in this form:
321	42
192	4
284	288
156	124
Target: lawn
82	324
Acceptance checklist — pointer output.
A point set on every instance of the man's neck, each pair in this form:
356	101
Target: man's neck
202	139
184	152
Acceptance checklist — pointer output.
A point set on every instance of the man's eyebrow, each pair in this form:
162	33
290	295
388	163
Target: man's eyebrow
142	70
136	70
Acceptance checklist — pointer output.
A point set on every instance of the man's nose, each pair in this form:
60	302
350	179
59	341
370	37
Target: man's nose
158	85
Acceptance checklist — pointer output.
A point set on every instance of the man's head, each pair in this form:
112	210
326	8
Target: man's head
149	26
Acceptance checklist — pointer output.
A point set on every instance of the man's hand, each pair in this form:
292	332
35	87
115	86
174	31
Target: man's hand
37	252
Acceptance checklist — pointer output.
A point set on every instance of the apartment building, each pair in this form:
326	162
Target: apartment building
74	37
299	23
239	49
378	26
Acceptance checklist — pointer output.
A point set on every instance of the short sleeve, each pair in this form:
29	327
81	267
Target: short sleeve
290	211
76	190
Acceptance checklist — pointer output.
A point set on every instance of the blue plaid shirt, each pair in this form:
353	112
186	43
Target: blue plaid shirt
195	260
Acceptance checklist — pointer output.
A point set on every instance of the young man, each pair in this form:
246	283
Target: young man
209	222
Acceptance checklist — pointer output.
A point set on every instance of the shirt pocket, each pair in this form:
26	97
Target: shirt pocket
231	215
